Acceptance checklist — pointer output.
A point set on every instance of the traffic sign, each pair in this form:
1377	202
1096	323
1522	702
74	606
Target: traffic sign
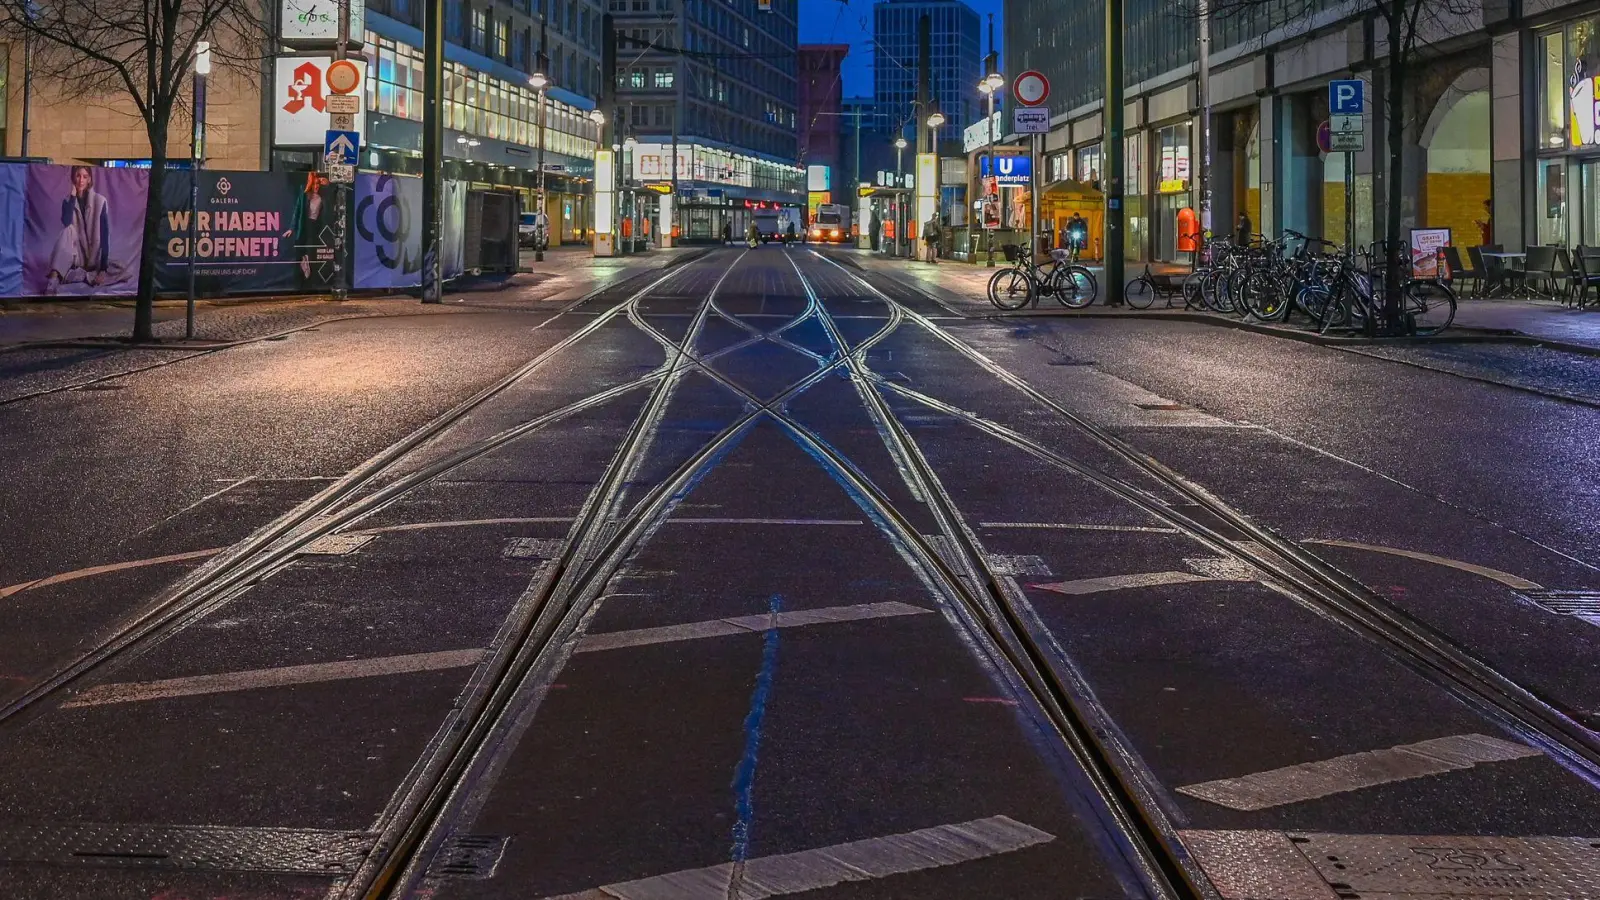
1347	142
1030	120
1345	124
343	77
341	174
1324	137
343	104
342	122
1031	88
342	147
1347	97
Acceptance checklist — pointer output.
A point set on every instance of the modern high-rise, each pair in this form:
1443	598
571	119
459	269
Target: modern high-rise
717	79
821	104
956	61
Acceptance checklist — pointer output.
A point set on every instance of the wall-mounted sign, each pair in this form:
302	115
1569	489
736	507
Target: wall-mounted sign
819	178
306	21
1173	185
1007	170
302	117
979	134
1584	131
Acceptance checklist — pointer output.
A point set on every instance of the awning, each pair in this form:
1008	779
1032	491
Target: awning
1071	186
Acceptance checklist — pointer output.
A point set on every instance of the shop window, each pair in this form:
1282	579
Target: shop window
1553	93
1088	169
1551	209
1583	61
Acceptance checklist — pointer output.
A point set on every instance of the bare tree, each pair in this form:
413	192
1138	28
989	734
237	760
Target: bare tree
1406	28
115	51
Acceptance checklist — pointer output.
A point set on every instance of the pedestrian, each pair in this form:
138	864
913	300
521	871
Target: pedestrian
727	233
1486	224
1242	230
931	233
752	235
875	230
791	231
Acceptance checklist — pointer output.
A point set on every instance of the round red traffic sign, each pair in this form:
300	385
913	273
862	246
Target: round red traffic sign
1031	88
1324	137
343	77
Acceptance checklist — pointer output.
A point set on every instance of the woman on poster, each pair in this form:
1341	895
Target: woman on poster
81	254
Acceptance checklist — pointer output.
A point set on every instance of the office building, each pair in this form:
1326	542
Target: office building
956	61
821	105
728	105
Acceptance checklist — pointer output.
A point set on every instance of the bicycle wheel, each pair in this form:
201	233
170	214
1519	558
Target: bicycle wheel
1430	306
1194	289
1075	286
1010	289
1139	293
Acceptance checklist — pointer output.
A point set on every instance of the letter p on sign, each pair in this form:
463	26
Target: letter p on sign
1346	97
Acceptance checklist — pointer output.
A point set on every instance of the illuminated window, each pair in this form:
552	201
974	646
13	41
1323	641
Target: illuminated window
480	24
663	78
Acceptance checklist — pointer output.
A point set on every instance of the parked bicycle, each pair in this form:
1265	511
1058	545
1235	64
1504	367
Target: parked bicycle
1023	283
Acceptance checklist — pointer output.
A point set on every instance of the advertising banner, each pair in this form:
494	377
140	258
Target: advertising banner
256	232
388	223
13	190
1425	246
81	230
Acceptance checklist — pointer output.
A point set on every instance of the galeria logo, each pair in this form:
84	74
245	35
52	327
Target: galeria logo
224	186
306	88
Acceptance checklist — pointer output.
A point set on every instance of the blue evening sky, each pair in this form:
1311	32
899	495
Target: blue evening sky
850	22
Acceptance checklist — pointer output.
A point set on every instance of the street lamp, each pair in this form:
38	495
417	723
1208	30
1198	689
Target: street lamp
989	87
197	162
899	197
539	82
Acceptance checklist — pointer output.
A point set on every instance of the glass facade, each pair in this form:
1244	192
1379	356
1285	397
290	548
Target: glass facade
957	61
477	103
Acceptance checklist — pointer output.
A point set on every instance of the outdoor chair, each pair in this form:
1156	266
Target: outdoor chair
1496	274
1540	267
1587	263
1459	272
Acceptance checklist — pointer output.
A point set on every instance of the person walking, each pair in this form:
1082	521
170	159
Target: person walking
931	234
752	235
727	233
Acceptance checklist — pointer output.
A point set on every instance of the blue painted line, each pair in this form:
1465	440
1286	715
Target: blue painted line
744	777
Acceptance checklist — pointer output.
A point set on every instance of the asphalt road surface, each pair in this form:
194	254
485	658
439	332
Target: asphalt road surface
760	576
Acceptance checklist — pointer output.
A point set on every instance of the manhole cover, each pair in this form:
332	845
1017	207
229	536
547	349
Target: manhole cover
533	548
469	856
1019	566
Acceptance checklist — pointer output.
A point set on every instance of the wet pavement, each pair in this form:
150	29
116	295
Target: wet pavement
759	575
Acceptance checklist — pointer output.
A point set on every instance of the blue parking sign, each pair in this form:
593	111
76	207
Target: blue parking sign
1347	97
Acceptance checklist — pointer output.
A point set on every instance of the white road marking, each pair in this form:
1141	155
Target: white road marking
1515	582
1244	865
1308	781
744	625
203	500
129	692
75	574
1147	529
810	870
765	522
1120	582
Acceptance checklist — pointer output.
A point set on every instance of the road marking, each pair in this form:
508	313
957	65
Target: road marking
207	498
1120	582
1515	582
75	574
1244	865
611	640
1308	781
811	870
765	522
1146	529
128	692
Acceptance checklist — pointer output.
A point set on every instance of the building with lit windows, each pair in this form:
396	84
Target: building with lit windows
956	61
727	103
1500	136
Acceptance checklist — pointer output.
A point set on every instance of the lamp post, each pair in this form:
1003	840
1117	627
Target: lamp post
197	162
900	185
603	193
935	121
539	82
989	87
629	144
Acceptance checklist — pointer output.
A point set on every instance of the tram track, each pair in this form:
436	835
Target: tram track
1302	576
416	824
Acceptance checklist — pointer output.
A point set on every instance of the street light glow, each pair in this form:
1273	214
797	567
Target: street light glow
936	119
597	117
538	81
202	58
995	81
900	143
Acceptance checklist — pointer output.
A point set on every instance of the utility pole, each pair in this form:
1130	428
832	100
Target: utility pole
1113	153
924	78
432	151
541	80
992	83
341	259
1204	90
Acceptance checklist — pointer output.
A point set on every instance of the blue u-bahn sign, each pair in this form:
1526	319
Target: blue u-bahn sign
1012	170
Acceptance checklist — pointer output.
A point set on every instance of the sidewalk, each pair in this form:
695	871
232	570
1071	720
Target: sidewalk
566	274
962	287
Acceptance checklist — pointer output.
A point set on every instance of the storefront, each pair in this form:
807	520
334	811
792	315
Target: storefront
1567	172
714	188
1174	192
